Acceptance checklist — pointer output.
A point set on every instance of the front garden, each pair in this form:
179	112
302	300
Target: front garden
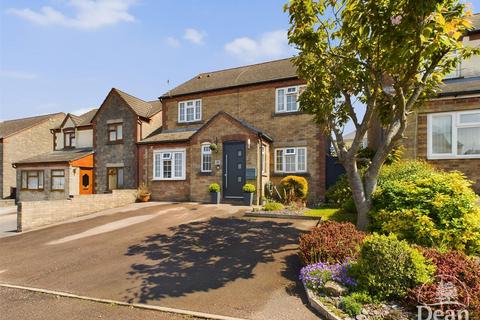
420	253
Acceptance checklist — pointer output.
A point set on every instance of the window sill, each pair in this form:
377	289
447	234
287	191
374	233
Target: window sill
284	174
33	190
286	113
464	157
205	173
115	142
177	179
190	122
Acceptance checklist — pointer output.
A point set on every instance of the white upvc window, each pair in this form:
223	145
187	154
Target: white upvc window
169	164
190	111
453	135
290	160
286	99
206	158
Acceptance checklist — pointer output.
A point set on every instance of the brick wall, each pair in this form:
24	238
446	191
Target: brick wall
26	144
115	154
255	104
416	137
35	214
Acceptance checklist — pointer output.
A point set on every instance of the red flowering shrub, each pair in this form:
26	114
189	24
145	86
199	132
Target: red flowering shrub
452	266
331	242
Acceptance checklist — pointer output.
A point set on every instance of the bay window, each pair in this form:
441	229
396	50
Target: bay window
190	111
289	160
206	160
169	164
287	99
454	135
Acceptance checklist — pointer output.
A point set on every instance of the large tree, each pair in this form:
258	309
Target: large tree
389	55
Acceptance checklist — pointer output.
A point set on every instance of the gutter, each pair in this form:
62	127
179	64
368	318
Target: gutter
458	93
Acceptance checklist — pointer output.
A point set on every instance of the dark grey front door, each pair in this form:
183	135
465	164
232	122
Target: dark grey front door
233	169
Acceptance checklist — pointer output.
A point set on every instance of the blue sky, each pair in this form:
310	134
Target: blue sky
65	55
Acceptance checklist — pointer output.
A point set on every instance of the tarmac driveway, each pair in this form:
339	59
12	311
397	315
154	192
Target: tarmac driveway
188	256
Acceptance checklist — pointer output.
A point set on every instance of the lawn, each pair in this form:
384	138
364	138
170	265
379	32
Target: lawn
334	214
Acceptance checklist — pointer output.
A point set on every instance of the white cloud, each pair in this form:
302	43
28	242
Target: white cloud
194	36
88	14
270	45
19	75
172	42
80	111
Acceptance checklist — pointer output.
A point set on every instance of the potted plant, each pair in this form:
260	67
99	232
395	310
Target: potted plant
213	147
248	191
143	194
214	190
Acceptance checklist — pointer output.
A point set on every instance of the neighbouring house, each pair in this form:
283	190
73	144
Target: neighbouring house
231	127
65	171
121	121
446	131
21	139
349	137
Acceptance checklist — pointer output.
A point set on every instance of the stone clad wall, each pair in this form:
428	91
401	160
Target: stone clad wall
35	214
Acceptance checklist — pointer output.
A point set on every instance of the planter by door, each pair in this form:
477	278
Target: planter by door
248	198
215	197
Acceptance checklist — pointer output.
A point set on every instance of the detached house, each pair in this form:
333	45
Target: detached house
231	127
446	132
65	171
21	139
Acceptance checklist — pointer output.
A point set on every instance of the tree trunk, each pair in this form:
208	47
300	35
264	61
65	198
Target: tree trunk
360	198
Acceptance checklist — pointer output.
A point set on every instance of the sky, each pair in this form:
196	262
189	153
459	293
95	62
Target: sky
65	55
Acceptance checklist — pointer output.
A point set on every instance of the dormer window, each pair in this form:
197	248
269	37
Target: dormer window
69	138
190	111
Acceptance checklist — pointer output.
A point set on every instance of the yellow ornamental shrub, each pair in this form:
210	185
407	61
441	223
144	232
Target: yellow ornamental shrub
294	188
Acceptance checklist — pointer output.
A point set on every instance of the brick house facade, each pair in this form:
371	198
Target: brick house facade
21	139
235	106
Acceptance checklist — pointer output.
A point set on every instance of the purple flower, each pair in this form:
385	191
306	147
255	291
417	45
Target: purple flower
314	276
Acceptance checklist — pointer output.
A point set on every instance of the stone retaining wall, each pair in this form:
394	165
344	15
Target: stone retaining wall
7	203
34	214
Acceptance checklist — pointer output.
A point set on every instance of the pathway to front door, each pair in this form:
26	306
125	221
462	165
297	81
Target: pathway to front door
233	169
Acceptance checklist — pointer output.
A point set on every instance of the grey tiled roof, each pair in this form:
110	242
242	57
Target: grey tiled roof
10	127
460	86
140	107
255	73
81	120
475	19
58	156
173	135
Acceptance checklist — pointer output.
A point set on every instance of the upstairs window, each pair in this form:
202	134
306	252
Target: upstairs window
69	139
454	135
288	160
169	164
115	132
32	180
206	161
287	99
190	111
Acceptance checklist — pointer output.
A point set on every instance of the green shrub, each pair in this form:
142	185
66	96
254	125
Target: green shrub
340	194
363	297
294	188
250	188
389	268
351	306
273	206
214	187
426	206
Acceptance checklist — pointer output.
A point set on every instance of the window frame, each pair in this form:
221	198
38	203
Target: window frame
71	137
27	172
298	89
172	159
185	107
456	124
115	126
57	176
123	178
202	153
296	154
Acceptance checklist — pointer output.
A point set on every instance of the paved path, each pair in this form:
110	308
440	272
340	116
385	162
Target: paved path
198	257
8	221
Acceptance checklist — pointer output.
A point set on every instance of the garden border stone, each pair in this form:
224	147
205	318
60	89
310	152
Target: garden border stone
319	306
280	216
